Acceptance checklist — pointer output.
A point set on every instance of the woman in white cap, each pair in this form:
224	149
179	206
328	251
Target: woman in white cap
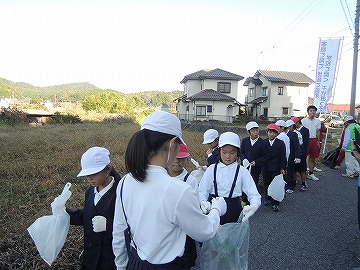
98	212
229	179
154	213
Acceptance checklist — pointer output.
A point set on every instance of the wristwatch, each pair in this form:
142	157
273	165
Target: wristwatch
354	150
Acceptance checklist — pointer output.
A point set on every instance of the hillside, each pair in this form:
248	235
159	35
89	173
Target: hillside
78	92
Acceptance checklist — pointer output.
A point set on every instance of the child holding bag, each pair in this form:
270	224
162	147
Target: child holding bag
98	213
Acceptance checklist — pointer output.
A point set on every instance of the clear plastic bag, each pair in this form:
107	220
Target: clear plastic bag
276	189
228	249
49	232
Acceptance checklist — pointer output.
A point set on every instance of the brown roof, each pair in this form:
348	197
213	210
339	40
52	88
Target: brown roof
284	76
210	94
212	74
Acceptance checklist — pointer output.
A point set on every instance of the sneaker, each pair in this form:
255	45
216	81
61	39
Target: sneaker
275	208
337	167
317	169
303	188
313	177
352	176
289	191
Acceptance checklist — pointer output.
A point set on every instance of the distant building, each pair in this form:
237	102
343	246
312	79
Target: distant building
209	95
276	94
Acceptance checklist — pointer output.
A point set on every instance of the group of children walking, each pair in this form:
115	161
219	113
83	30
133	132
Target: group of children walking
152	217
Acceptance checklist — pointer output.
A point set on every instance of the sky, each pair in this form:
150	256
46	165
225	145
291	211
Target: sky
140	45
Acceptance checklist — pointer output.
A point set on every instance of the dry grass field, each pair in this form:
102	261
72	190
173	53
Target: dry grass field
36	163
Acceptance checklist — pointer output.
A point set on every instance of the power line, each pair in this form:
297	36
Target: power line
346	17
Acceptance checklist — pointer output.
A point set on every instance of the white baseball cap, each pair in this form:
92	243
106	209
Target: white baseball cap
251	125
210	135
164	122
230	138
348	118
94	160
280	123
289	123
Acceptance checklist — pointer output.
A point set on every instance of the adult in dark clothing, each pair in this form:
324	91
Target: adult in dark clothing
98	213
276	162
253	149
211	138
294	157
301	167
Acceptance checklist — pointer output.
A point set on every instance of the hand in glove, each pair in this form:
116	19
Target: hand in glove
205	207
297	160
219	205
245	163
249	210
99	224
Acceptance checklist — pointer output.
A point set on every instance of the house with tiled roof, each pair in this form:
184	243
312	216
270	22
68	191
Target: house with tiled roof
277	94
209	94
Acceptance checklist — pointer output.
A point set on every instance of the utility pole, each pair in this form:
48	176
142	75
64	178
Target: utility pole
355	60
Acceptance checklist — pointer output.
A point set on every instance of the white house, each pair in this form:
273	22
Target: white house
274	94
209	95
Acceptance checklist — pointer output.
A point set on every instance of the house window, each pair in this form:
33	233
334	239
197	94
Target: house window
264	91
251	92
285	110
209	108
223	87
280	90
200	110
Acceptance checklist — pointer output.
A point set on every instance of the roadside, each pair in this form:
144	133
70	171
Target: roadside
315	229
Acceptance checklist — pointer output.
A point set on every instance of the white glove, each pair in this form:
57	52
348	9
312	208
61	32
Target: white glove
246	163
297	160
249	210
205	207
219	204
99	224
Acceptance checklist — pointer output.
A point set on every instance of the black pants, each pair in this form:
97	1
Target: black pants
290	179
135	263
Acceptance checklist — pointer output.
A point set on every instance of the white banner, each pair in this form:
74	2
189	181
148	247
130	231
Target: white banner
325	72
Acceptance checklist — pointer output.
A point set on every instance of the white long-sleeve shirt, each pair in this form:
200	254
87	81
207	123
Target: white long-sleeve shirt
224	177
285	138
191	180
160	212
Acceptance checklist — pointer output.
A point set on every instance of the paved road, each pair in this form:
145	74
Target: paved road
316	229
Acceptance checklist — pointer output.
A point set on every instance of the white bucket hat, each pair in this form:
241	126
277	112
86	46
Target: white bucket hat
229	138
280	123
348	118
289	123
251	125
94	160
210	135
164	122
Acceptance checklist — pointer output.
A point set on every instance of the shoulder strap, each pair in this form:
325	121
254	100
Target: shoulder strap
122	204
234	182
186	177
215	184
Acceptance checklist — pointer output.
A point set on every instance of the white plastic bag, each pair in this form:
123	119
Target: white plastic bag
276	189
49	232
228	249
199	172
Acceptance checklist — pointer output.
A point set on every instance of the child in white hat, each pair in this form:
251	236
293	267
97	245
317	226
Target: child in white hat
154	213
211	139
229	179
98	213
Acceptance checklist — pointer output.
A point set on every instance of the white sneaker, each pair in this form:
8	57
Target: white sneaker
317	169
313	177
